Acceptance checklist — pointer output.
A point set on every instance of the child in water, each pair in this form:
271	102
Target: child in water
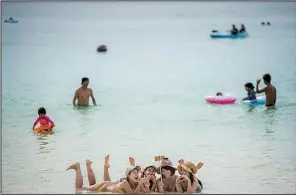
43	119
219	94
251	93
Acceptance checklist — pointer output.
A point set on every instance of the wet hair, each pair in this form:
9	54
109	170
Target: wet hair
249	85
41	111
84	79
219	93
267	78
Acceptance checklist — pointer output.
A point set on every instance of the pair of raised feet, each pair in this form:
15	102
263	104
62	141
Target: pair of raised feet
89	162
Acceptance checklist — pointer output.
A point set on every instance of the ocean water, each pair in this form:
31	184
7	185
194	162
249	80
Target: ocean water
150	89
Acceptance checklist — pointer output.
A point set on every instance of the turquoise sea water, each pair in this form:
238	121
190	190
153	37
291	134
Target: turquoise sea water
150	87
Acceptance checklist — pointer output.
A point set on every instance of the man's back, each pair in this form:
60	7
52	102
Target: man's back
270	95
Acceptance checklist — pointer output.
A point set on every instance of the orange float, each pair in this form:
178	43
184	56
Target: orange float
43	127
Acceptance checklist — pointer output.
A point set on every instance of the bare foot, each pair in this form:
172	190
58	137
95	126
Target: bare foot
107	165
132	161
88	162
73	166
199	165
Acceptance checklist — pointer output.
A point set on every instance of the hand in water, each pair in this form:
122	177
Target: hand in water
106	164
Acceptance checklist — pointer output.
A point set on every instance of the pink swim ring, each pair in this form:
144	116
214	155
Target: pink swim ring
220	99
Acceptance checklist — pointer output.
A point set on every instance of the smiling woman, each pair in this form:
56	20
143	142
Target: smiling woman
132	184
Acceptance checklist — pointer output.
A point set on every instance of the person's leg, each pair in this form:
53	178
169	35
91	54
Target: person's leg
78	177
106	169
96	187
90	173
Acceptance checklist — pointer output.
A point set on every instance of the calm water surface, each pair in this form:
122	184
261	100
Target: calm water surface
150	87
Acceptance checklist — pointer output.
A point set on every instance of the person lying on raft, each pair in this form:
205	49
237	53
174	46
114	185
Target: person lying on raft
188	183
132	184
219	94
43	119
251	95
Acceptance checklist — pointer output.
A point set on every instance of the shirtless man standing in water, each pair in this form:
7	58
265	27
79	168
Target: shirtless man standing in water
83	94
270	90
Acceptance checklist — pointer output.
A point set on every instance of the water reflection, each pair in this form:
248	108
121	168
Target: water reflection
86	109
269	116
43	142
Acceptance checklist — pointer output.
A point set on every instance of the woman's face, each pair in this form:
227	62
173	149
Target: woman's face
184	172
150	171
166	171
134	176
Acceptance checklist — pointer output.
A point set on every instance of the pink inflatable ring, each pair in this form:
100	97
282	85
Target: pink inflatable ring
220	99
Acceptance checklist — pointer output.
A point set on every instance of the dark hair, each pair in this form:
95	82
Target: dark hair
150	184
267	78
84	79
191	177
249	85
219	93
41	111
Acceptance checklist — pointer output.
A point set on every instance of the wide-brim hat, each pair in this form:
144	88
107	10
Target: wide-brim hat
131	168
165	163
188	166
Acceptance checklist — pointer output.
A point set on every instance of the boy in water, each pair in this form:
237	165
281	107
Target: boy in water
251	93
270	90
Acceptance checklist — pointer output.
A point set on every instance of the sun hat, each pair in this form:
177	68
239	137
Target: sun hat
165	163
131	168
188	166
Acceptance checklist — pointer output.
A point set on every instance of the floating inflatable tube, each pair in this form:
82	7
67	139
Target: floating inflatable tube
220	99
11	21
259	101
42	127
219	36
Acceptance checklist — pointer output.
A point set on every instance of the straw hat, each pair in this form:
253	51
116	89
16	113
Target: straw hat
131	168
188	166
165	163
